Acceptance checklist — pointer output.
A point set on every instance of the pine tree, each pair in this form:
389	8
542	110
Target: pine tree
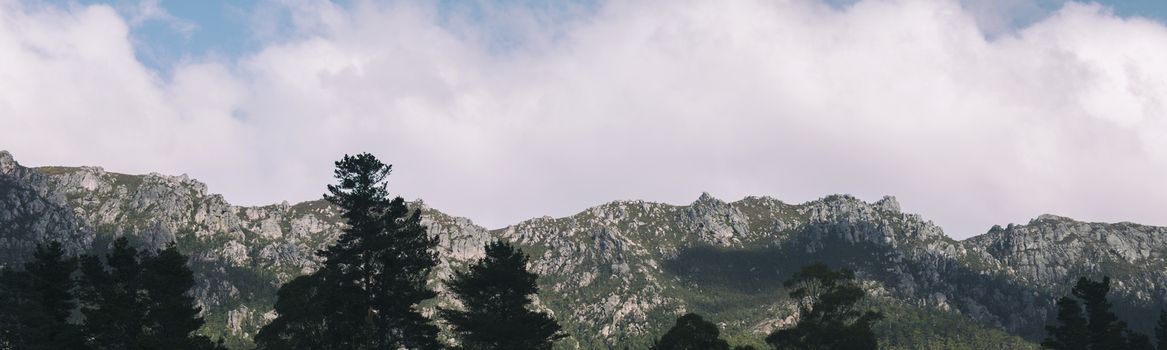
1137	341
139	300
172	316
372	278
1071	333
691	332
828	315
495	293
1100	329
37	302
1161	330
110	298
1102	324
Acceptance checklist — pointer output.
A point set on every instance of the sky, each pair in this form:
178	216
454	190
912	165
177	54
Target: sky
971	113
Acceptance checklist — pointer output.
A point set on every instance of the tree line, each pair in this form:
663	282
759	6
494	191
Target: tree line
126	299
372	282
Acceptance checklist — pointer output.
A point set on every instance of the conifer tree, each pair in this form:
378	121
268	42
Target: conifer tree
1161	330
172	316
1137	341
1070	333
110	300
829	317
35	303
1100	329
691	332
372	278
1103	326
139	300
496	314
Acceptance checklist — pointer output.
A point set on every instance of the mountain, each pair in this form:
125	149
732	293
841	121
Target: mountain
619	273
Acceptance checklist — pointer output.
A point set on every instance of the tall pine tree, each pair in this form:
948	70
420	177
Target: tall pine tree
372	278
1099	329
139	300
496	314
172	316
1070	333
35	303
110	298
829	315
1103	325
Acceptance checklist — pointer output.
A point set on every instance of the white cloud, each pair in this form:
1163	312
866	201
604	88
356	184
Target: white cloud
648	100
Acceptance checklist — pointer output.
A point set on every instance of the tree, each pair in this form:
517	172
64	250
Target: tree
1161	330
1071	333
139	300
171	316
1137	341
1102	324
496	297
1100	328
110	298
691	333
828	315
372	278
37	302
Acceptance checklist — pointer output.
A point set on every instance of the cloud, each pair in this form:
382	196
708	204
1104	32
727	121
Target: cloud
627	100
149	10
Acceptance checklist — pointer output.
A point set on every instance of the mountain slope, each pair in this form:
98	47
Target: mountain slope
617	274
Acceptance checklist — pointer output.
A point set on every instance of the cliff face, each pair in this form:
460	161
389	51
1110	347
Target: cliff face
615	274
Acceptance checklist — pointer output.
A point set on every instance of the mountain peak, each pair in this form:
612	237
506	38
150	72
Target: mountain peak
7	163
707	198
888	203
1051	217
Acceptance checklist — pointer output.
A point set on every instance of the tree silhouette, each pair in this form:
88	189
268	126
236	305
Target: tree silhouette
1137	341
828	315
1161	330
1070	333
35	303
496	314
110	300
1103	326
372	278
1100	329
691	332
172	316
139	300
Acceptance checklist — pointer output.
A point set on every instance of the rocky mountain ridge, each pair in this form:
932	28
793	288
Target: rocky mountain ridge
634	264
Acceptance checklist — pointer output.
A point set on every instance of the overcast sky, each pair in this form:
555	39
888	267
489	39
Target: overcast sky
971	113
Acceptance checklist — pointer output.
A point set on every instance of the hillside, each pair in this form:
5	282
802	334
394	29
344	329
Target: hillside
617	274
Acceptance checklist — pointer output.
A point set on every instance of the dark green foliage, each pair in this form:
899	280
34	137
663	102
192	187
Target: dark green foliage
1138	341
1161	330
372	278
1071	332
829	317
110	299
691	333
495	293
35	303
138	300
298	302
1099	329
172	315
1102	324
